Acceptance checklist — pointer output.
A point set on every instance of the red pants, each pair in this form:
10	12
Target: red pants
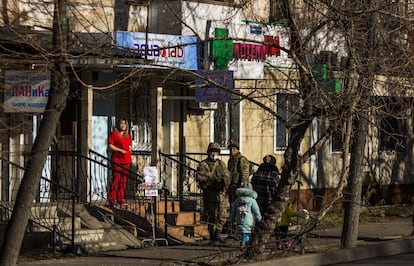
118	183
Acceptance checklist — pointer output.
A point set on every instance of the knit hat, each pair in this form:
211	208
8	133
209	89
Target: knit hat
269	159
213	146
234	144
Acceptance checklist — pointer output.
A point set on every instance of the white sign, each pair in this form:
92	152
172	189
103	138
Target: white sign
250	58
151	182
25	91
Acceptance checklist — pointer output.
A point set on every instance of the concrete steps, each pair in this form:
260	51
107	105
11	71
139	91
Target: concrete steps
182	226
186	226
97	240
196	231
94	231
180	218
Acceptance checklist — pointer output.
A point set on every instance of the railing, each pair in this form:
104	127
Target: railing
51	198
178	173
100	174
69	178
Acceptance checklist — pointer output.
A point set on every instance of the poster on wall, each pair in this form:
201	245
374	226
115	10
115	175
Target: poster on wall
161	49
151	183
25	91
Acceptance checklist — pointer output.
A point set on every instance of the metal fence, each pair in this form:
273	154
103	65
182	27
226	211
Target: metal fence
100	174
179	172
69	178
54	206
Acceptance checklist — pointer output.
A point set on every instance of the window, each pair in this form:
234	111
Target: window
227	123
278	11
221	122
286	106
336	141
339	134
392	125
140	117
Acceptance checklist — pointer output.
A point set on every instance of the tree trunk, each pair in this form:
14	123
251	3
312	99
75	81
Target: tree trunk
352	200
264	230
59	90
30	183
363	35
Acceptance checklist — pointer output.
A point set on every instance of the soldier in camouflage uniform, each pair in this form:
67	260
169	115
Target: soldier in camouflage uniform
213	178
238	166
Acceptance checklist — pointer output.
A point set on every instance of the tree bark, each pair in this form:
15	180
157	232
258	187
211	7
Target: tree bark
30	183
59	90
272	216
264	230
353	198
362	35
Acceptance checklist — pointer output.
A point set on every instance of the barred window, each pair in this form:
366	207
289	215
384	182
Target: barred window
286	105
227	123
392	131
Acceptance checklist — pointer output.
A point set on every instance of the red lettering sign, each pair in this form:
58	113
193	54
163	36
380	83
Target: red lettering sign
272	45
251	52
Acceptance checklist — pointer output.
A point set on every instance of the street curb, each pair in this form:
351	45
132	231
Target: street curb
344	255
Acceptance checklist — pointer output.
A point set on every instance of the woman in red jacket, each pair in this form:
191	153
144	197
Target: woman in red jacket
120	144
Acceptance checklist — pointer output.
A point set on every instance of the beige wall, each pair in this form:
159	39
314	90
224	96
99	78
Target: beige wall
257	129
197	132
257	10
257	125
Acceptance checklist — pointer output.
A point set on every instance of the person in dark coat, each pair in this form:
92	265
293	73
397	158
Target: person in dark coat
265	182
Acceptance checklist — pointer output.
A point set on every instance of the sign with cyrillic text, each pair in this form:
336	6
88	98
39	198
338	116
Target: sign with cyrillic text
25	91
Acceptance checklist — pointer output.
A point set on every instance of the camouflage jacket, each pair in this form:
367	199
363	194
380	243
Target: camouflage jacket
213	175
239	166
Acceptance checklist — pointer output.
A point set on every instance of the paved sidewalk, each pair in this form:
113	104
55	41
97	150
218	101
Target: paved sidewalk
375	239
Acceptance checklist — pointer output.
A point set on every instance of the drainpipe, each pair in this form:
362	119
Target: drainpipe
146	32
180	187
206	45
73	224
79	149
156	134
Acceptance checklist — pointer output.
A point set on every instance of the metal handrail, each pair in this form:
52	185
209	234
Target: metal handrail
8	206
41	177
170	156
131	173
63	169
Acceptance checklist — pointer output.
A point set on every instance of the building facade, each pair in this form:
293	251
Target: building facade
179	71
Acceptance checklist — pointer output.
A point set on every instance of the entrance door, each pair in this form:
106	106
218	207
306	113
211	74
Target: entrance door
100	176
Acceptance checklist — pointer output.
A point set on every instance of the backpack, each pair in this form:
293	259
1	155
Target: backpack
243	210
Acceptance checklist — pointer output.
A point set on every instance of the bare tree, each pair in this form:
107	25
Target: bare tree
56	103
356	23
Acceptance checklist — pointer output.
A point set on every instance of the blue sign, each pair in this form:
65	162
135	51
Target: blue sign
208	91
162	49
256	30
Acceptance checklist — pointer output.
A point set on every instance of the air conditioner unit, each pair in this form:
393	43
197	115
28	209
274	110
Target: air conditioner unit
207	105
